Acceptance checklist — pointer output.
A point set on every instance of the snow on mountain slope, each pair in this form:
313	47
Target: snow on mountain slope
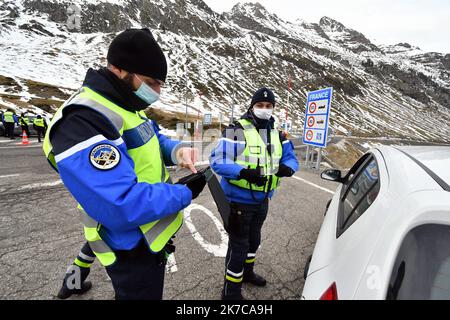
395	91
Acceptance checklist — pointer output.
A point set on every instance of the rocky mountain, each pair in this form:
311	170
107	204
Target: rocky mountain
383	91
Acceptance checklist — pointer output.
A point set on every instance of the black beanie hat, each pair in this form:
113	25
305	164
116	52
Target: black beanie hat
136	51
263	95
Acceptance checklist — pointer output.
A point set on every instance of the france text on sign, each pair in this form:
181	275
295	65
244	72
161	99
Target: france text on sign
317	116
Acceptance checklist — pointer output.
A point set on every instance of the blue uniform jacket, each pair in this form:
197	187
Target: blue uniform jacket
223	157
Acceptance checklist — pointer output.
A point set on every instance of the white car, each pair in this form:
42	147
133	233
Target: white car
386	231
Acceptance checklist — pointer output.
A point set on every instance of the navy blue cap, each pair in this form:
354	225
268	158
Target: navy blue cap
263	95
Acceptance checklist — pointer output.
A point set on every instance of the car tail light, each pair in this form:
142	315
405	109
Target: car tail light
331	293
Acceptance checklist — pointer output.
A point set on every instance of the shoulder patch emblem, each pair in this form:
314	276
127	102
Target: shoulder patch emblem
104	157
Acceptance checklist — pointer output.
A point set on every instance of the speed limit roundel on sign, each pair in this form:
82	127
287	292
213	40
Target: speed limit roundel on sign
309	135
311	121
312	107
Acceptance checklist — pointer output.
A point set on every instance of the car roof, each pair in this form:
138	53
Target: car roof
435	158
406	174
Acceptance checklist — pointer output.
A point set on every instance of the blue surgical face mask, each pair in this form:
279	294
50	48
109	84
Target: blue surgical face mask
146	93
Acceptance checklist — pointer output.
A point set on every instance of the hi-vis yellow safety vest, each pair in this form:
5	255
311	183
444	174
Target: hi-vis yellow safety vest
255	153
149	168
39	122
25	121
8	116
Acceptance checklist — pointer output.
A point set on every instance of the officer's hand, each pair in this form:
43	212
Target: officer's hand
187	157
253	176
196	186
284	171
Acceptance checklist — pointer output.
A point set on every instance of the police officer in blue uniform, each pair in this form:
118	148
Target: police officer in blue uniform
251	157
112	159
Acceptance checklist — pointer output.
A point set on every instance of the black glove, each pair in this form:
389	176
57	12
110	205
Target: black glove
253	176
284	171
195	183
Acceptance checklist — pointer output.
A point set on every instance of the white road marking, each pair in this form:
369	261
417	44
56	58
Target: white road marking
171	265
40	185
9	176
217	250
313	184
20	146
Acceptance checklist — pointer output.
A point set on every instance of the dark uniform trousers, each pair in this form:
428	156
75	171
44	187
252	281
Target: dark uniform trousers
26	129
138	274
244	242
40	132
9	129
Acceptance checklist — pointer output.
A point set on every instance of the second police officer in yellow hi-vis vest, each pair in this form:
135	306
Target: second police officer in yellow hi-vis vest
251	157
24	122
40	125
113	159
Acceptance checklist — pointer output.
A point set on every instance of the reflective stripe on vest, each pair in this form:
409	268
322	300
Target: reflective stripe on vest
255	153
101	250
8	116
143	147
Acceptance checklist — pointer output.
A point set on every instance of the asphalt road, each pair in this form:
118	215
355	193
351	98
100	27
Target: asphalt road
41	234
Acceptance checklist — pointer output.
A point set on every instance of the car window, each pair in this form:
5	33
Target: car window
360	194
351	173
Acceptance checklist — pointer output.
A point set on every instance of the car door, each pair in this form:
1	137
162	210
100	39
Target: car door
341	249
324	250
358	223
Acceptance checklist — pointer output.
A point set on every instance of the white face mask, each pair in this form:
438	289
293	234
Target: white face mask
264	114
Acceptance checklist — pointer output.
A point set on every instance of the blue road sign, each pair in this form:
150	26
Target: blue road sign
207	119
318	106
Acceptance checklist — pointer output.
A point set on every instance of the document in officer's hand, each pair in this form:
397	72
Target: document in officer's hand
216	191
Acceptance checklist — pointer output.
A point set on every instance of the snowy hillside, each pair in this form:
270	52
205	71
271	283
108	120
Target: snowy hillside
391	90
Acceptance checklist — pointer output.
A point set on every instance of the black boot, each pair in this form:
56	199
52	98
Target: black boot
65	292
251	277
232	291
85	286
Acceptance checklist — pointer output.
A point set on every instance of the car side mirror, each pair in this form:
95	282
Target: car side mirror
332	175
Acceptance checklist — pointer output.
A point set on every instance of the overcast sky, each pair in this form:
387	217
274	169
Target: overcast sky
424	23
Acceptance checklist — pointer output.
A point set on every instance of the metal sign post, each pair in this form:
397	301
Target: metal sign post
319	159
317	117
307	156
